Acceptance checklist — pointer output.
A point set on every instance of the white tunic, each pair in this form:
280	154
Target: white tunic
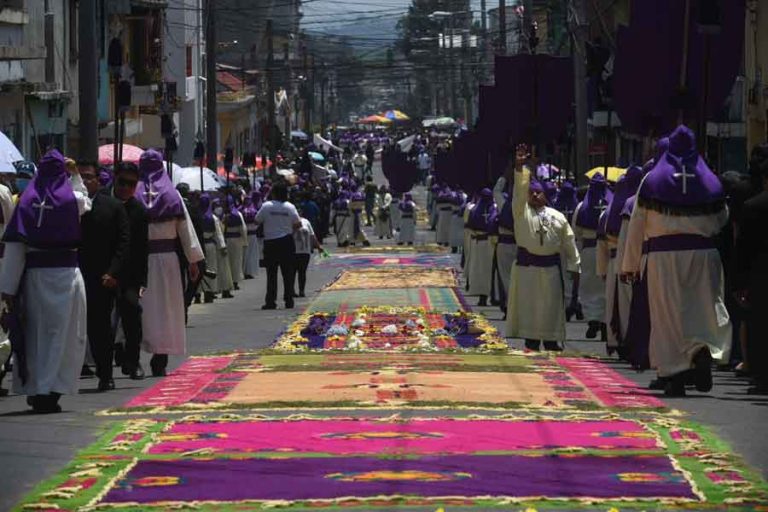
253	252
235	247
343	225
408	227
163	301
616	293
54	316
591	285
383	227
467	238
444	220
535	308
394	213
457	227
481	265
223	269
214	244
685	289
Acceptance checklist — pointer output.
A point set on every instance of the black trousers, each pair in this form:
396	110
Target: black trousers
280	253
129	309
302	263
100	303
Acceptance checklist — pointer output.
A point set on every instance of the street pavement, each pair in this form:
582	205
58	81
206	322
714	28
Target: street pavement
33	448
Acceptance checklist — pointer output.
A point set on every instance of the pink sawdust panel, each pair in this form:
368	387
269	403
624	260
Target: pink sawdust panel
612	389
184	383
342	437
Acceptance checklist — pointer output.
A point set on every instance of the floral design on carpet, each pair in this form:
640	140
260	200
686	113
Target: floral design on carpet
390	329
432	299
382	278
576	461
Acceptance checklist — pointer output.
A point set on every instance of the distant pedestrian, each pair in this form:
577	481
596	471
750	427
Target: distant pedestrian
305	241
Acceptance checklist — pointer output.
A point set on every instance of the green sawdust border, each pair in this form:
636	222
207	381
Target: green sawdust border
692	458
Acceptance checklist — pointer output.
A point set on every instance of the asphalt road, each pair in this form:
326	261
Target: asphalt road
33	448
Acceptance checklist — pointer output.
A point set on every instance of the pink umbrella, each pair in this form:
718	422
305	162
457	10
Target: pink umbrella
130	154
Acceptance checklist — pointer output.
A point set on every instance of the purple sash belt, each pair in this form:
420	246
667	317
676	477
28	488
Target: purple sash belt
526	259
589	243
52	259
507	239
406	216
479	238
683	242
233	235
164	245
252	232
446	209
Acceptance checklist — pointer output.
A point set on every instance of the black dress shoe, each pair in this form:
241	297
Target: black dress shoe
675	387
137	373
702	370
159	372
592	330
236	286
87	372
208	297
226	294
658	384
248	276
106	384
552	346
266	307
483	302
289	304
301	294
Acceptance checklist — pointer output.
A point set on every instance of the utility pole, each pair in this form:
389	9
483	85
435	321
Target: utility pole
212	139
451	74
307	111
579	35
271	92
323	81
88	77
527	25
483	40
199	74
502	27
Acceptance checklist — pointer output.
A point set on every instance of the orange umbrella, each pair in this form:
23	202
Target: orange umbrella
374	119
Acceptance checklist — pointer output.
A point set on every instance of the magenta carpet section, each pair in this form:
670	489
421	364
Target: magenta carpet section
573	476
346	437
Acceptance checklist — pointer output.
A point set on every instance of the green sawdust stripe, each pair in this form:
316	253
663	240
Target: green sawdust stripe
694	449
441	299
501	363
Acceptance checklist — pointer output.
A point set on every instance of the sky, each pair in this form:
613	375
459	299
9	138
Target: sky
369	22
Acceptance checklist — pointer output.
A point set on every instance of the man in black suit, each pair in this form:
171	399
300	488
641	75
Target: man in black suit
103	257
134	279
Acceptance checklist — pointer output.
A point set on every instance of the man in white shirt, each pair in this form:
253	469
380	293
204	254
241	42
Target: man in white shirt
280	220
305	241
425	165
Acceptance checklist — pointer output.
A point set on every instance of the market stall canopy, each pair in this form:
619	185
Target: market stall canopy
9	154
130	154
298	134
396	115
439	122
374	119
613	174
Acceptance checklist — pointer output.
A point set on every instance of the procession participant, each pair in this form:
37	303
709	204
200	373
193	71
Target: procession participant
550	191
591	286
383	218
6	210
252	256
484	224
394	210
566	203
342	220
536	311
360	161
752	280
213	244
356	207
280	220
444	204
680	207
134	279
407	209
370	192
432	202
466	253
456	238
40	275
103	256
223	268
236	235
618	294
506	248
163	322
305	240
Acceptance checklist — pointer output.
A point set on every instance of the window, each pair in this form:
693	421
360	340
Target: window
189	60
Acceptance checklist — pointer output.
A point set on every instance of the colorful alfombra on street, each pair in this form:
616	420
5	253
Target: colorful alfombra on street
590	461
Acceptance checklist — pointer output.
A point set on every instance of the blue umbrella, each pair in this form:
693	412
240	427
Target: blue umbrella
317	157
298	134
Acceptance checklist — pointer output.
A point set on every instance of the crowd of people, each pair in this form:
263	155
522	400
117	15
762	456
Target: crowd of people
665	265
